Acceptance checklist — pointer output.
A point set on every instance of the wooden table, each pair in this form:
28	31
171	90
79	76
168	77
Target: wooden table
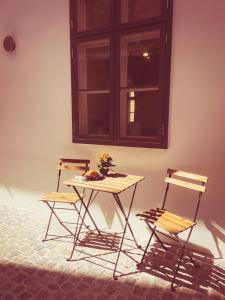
114	184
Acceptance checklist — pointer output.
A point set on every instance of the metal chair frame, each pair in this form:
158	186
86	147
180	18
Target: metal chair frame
66	164
152	216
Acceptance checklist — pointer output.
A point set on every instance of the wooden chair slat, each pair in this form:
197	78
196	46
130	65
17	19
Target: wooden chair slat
169	227
157	213
72	164
185	184
180	222
170	222
78	161
72	167
61	197
175	218
188	175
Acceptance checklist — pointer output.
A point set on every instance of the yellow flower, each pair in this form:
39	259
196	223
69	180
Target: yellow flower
104	162
104	156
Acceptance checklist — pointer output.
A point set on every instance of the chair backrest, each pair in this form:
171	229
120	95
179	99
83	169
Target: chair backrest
186	180
71	164
184	183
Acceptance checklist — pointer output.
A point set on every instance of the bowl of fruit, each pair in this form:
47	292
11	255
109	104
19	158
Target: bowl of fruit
93	175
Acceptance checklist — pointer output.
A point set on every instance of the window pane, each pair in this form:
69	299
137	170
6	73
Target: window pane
140	108
93	65
140	59
93	14
140	111
138	10
93	113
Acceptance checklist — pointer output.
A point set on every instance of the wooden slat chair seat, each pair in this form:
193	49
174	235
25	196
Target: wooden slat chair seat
53	199
61	197
169	223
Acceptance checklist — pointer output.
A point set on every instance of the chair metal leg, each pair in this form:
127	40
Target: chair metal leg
177	269
181	257
188	253
76	236
156	235
60	222
49	222
146	249
162	244
52	208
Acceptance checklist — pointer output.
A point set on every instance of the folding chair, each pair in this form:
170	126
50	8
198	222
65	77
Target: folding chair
169	224
54	198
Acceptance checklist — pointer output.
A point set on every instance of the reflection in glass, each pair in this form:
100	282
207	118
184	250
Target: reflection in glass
139	113
94	113
139	80
138	10
140	59
94	87
93	65
93	14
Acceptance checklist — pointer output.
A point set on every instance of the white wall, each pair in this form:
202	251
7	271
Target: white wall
35	114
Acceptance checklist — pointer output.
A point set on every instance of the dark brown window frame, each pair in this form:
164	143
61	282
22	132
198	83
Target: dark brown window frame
114	32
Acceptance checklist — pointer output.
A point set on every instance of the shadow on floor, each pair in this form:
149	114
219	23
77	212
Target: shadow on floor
158	262
217	236
102	250
161	263
30	269
105	241
21	282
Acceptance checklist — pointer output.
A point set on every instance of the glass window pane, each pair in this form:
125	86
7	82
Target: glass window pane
93	14
140	111
94	113
93	65
138	10
139	59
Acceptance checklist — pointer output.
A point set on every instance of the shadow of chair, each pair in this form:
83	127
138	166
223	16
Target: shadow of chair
160	263
217	235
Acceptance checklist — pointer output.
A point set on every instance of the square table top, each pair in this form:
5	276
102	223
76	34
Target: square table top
114	183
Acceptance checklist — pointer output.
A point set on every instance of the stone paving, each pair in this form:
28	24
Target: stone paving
32	269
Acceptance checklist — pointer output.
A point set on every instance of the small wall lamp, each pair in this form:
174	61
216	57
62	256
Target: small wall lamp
9	43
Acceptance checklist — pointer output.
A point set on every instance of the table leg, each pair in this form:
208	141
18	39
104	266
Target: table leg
127	224
76	236
86	208
79	215
126	217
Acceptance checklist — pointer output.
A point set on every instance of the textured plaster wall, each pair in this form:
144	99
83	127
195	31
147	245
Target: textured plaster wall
35	113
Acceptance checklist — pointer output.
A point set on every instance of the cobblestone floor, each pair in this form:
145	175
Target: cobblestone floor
31	269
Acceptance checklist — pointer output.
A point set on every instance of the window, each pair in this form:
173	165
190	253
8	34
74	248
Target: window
120	64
